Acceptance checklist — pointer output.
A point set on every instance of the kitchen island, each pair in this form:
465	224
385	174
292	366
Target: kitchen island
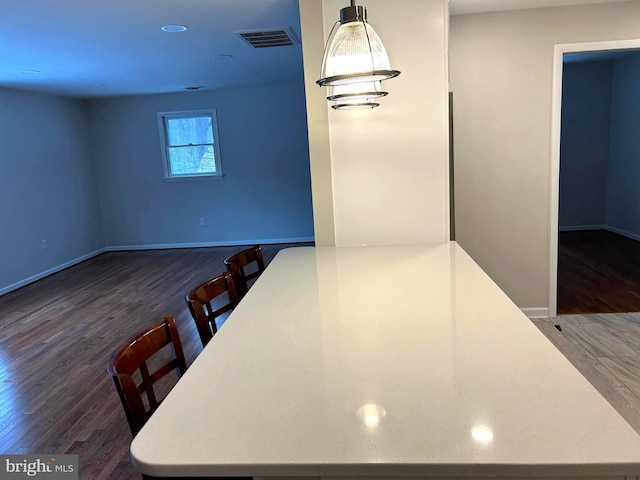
383	361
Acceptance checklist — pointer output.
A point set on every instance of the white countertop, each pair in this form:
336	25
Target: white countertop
396	360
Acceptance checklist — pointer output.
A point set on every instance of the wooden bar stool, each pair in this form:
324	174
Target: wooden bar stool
202	302
140	400
237	263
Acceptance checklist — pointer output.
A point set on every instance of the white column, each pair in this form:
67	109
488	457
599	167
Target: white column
388	165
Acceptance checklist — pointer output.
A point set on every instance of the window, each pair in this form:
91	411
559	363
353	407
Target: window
190	144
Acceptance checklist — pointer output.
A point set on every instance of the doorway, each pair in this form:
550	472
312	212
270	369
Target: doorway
582	228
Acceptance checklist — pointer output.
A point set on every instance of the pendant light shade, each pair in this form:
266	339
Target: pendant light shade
355	96
355	62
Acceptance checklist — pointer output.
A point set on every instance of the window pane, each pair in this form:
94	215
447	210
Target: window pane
185	131
191	160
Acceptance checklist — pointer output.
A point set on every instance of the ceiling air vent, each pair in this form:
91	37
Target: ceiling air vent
277	37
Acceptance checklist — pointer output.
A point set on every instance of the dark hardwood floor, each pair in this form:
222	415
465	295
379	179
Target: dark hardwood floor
598	272
58	334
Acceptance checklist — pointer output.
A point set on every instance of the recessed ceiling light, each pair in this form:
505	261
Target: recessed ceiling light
173	28
31	72
223	57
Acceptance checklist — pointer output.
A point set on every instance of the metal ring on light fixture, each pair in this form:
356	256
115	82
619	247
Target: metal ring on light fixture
342	96
354	106
332	81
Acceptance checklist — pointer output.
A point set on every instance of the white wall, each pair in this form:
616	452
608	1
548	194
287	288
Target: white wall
501	76
389	164
264	196
318	124
47	186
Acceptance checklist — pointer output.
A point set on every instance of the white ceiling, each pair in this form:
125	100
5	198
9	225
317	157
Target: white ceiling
119	44
462	7
98	48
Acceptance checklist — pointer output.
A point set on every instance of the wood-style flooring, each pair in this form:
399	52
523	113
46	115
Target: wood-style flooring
605	348
598	272
58	334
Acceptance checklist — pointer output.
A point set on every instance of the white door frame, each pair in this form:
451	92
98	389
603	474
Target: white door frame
556	116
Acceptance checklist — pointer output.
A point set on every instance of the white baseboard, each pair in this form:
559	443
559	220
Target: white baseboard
540	312
577	228
46	273
228	243
624	233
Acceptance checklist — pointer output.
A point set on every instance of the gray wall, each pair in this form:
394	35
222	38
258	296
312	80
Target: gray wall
584	145
265	194
47	186
624	160
600	147
87	176
502	79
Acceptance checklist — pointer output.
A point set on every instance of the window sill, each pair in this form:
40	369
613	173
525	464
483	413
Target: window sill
189	178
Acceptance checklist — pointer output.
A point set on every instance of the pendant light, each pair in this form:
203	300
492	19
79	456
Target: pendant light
355	62
355	95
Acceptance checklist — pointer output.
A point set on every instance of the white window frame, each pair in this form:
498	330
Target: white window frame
162	125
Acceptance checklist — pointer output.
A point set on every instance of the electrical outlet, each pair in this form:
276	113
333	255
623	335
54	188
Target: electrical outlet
202	222
44	245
